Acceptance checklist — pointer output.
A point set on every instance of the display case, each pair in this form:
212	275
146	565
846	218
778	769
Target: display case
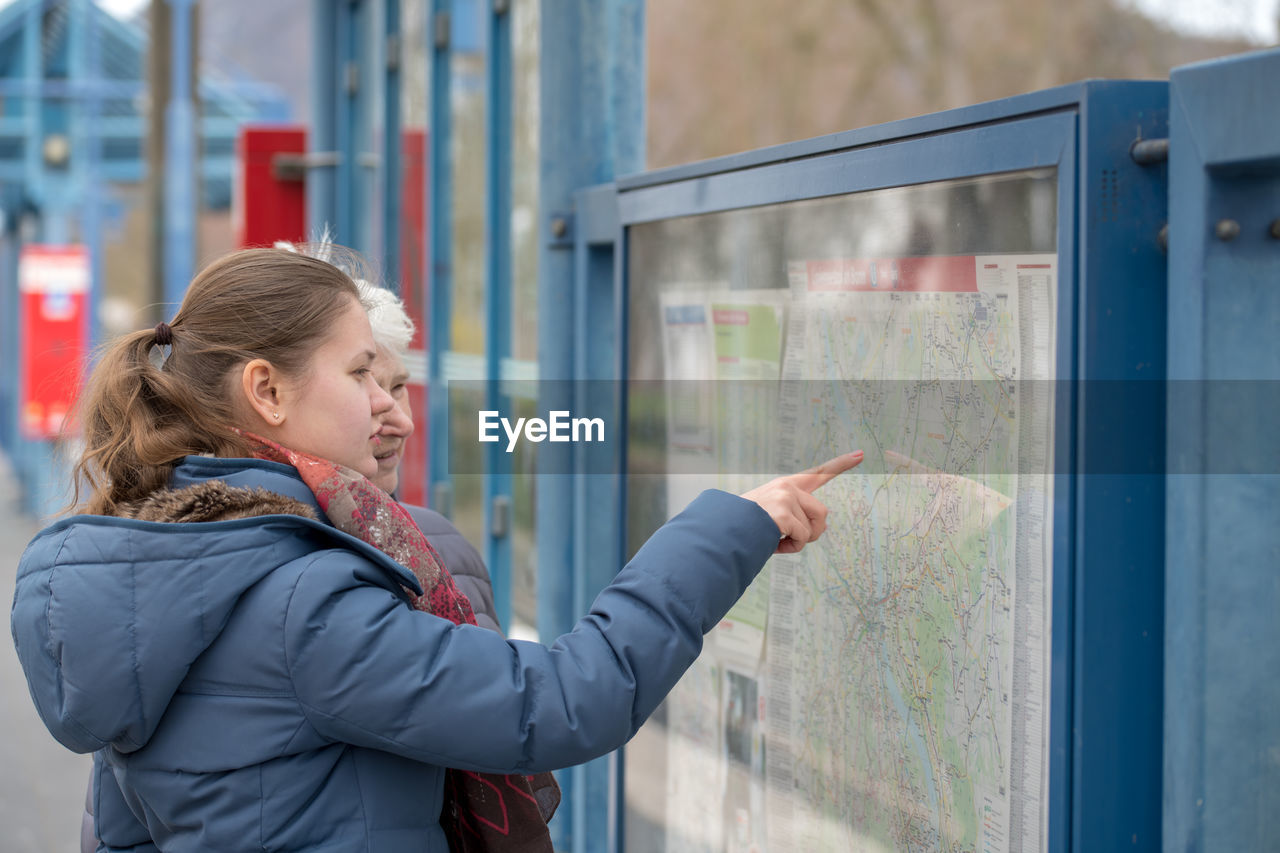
968	659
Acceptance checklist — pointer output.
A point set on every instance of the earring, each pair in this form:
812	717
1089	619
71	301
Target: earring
275	415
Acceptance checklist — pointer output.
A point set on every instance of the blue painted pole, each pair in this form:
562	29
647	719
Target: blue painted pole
391	171
322	136
181	186
9	339
346	76
91	140
28	455
597	528
592	129
497	339
440	281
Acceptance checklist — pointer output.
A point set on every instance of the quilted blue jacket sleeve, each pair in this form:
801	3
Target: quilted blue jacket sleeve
370	671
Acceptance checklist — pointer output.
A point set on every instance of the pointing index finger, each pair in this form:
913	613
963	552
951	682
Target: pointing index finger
820	475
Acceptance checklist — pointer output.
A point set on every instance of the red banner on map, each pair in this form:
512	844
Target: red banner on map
942	274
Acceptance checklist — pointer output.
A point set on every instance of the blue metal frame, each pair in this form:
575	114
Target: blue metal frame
340	48
1118	570
345	118
391	166
591	89
1222	646
597	527
497	287
440	281
1105	705
180	196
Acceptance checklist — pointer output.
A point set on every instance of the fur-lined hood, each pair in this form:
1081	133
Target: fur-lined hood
212	500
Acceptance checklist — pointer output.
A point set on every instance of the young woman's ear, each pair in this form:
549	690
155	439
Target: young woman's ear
260	383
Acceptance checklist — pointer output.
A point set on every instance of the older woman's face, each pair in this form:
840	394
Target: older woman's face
397	422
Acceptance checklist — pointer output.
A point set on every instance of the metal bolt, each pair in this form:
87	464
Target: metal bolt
1148	152
559	227
1226	230
1163	237
1274	230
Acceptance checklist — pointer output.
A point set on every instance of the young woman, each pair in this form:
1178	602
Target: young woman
260	648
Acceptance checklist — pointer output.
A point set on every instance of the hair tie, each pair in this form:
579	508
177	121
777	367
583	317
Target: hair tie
162	347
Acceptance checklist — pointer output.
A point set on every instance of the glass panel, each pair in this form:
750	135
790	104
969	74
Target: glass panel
466	455
524	571
467	148
887	687
524	299
467	70
366	225
413	238
524	171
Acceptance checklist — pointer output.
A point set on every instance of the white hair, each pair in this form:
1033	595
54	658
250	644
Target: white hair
392	328
391	325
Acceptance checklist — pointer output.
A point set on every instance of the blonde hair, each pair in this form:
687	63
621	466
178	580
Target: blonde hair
142	415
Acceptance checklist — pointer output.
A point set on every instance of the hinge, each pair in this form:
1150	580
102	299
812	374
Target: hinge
393	52
440	27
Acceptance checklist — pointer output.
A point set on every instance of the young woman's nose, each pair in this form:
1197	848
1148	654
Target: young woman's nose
380	401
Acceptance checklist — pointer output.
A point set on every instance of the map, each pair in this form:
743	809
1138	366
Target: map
884	689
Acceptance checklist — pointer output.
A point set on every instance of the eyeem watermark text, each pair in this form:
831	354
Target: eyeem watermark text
560	427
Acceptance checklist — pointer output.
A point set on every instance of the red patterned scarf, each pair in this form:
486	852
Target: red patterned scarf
480	811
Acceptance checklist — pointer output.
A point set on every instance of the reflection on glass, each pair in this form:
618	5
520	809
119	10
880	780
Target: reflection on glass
524	568
413	240
465	455
370	124
886	688
524	293
524	175
467	150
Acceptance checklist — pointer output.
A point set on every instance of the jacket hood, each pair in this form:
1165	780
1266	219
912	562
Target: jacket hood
110	613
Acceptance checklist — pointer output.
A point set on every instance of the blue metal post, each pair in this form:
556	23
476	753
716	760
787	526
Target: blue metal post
592	129
29	456
497	338
440	281
597	525
9	326
345	74
1119	538
181	189
33	77
322	135
391	170
91	161
1222	646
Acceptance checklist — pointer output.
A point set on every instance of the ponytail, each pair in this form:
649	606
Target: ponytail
139	420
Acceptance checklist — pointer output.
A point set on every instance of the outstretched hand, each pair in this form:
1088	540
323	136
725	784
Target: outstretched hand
790	502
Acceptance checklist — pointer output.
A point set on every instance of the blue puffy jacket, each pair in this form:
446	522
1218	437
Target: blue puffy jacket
262	683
